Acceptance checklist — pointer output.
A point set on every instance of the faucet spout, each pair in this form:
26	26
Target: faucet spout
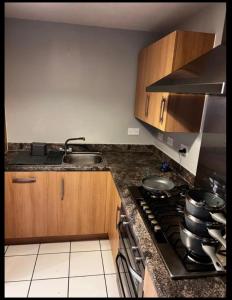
71	139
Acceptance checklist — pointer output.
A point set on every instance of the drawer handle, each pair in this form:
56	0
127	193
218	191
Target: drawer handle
162	106
24	180
116	221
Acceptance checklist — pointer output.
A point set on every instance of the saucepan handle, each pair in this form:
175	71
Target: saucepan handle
210	251
216	234
219	217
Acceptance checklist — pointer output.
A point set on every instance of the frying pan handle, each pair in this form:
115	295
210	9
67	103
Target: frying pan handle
219	217
216	234
210	251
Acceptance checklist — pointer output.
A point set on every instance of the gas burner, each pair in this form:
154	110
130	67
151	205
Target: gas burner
203	260
158	196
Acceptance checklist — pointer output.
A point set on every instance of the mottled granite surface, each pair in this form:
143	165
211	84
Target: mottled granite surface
128	167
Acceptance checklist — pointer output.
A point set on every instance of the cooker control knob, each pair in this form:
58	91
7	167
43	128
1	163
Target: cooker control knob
151	217
142	203
148	211
157	227
145	207
154	222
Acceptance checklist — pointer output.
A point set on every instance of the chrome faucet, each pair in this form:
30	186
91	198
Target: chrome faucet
71	139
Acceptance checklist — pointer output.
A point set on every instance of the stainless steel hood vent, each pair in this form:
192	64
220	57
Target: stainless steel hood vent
204	75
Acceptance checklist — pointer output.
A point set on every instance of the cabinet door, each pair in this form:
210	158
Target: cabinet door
76	203
141	97
25	204
149	290
157	110
114	206
160	58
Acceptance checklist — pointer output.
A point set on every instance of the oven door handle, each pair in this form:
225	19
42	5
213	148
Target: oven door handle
122	288
131	270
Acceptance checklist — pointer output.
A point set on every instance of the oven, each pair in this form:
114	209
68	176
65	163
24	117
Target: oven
129	262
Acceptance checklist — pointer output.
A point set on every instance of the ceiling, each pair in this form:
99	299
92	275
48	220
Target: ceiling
133	16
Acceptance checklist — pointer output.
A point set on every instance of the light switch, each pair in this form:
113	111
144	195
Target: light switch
160	136
133	131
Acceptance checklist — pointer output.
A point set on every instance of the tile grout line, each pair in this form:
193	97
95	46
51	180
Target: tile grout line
33	271
104	271
38	279
69	268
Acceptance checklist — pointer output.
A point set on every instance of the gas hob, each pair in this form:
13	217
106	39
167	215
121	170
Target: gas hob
161	215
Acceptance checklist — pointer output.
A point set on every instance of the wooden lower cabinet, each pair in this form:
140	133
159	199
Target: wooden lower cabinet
113	215
26	204
76	203
149	290
53	204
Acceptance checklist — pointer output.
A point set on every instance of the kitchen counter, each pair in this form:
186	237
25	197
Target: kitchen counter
128	166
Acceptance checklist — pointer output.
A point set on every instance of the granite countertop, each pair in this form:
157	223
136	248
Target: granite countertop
128	167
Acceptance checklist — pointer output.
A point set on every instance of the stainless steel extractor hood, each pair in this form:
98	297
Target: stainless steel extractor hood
204	75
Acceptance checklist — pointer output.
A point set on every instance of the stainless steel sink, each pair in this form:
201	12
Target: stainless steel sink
83	158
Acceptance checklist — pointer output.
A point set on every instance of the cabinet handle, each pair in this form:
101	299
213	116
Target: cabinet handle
116	221
23	180
62	189
162	106
147	105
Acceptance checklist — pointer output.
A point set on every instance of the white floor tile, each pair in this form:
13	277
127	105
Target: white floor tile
19	267
49	288
22	249
108	262
54	247
86	263
17	289
90	286
105	245
112	287
51	266
85	246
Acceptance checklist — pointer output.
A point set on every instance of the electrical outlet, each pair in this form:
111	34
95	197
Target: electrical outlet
160	136
170	141
133	131
182	146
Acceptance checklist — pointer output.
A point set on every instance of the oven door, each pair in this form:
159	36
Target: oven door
130	266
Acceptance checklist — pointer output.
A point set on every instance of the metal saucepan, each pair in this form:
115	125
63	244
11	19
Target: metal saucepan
205	228
203	205
157	184
201	246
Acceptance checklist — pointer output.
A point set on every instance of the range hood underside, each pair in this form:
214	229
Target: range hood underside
204	75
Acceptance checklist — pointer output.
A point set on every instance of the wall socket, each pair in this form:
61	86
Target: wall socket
160	136
133	131
170	141
182	146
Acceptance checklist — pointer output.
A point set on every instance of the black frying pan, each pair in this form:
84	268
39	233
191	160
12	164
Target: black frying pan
157	184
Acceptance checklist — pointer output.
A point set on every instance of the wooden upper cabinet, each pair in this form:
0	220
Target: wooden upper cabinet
25	204
141	94
166	111
160	58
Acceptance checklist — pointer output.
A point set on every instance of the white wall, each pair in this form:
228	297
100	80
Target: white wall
66	81
209	20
